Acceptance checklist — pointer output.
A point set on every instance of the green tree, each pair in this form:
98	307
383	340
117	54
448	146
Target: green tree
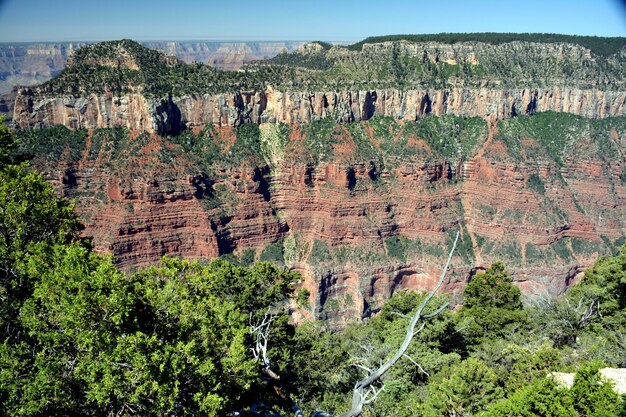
492	289
7	142
592	396
32	217
463	389
492	306
73	313
168	339
591	317
602	291
320	372
533	364
542	398
30	213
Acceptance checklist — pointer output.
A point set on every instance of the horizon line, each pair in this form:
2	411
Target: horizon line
307	39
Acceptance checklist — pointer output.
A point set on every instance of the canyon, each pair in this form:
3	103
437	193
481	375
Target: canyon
360	188
357	226
28	64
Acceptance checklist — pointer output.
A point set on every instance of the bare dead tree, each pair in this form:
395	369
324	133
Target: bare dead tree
367	389
586	309
260	332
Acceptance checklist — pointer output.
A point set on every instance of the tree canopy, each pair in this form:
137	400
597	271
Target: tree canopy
492	305
81	337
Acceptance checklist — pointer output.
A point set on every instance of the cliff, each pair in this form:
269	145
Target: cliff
353	165
360	209
173	114
402	79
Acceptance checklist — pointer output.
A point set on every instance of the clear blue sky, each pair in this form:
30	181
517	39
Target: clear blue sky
340	20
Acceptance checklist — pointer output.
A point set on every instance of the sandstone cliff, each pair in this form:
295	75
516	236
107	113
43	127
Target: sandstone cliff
149	91
171	115
360	209
358	183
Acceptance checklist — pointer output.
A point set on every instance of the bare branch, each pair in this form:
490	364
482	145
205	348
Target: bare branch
438	311
415	333
367	348
365	385
587	311
416	364
261	332
404	316
374	394
363	367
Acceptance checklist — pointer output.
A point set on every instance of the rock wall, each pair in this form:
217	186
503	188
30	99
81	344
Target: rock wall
132	111
334	220
169	115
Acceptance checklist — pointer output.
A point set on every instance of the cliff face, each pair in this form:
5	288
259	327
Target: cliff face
170	115
401	79
357	225
131	111
358	182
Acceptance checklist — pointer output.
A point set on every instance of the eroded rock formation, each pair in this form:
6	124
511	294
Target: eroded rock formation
356	231
365	207
169	115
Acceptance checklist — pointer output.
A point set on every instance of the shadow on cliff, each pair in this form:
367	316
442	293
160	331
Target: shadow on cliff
168	118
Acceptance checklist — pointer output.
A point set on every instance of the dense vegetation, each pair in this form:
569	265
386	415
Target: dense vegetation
79	337
440	61
125	66
381	139
121	67
598	45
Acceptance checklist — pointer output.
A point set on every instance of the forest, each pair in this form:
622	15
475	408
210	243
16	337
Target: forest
598	45
512	60
210	337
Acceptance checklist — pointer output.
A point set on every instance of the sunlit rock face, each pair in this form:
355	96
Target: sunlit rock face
362	187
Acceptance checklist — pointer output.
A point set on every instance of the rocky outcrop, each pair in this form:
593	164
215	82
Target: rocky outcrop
139	88
361	210
616	376
356	231
27	64
132	111
170	114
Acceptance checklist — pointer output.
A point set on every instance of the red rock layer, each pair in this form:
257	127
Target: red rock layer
148	209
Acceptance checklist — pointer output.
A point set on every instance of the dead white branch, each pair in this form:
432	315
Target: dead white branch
416	364
404	316
364	391
261	331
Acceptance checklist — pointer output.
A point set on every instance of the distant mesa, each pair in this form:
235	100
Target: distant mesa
124	84
34	63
